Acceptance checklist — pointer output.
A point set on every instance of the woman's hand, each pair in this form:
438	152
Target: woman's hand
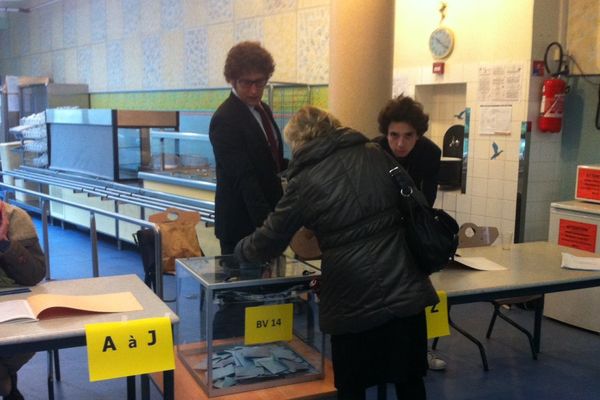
4	222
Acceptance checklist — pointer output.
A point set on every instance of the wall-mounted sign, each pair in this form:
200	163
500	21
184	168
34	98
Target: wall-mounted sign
578	235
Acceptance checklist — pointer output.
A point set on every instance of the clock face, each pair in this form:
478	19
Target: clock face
441	42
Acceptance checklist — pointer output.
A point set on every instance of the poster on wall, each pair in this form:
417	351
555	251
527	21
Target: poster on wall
401	85
495	119
500	82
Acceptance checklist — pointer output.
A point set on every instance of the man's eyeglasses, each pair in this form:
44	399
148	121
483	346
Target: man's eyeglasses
247	83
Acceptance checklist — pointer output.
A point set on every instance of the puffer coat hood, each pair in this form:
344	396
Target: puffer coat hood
339	188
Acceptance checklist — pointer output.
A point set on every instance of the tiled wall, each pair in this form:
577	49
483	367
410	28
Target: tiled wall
490	199
118	45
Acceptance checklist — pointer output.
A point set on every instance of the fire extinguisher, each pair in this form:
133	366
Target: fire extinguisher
553	94
552	108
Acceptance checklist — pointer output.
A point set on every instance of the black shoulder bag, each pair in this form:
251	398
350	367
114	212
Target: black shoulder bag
431	234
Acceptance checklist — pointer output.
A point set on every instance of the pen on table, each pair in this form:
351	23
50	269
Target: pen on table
14	290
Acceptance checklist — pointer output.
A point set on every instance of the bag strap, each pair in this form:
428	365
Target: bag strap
409	192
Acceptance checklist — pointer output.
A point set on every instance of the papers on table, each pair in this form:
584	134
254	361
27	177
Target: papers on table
585	263
479	263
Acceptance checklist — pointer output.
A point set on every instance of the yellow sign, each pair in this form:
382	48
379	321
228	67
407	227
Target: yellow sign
119	349
266	324
437	317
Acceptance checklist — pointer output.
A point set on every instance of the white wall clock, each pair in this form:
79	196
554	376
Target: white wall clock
441	42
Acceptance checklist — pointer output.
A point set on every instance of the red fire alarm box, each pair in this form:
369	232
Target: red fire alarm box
587	185
438	68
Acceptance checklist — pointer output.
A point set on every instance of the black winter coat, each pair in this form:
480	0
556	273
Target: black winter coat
339	188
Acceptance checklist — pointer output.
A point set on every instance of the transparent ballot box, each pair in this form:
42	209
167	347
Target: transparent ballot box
247	327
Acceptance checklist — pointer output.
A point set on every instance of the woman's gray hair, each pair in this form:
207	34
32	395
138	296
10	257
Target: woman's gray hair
307	124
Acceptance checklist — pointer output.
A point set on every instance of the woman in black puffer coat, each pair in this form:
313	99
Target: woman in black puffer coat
373	295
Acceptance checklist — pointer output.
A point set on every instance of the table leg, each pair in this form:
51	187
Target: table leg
472	339
537	326
145	384
382	391
169	385
50	375
131	388
56	365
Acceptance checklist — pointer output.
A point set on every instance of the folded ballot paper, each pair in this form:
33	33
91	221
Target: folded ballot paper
479	263
585	263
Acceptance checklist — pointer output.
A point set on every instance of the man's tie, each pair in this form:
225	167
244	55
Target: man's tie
266	122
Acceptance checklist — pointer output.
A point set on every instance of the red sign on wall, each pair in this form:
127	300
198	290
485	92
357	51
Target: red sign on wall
578	235
588	184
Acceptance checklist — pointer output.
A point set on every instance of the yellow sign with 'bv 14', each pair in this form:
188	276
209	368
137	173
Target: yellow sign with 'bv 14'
119	349
266	324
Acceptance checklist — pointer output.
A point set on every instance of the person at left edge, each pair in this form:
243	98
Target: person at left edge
247	146
22	262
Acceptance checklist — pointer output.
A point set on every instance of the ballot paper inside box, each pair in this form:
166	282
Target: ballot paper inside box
247	327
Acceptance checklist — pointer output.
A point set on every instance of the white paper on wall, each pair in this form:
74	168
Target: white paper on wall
500	82
495	119
401	85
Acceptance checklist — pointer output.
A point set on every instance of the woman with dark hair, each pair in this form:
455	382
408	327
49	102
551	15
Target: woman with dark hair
403	124
372	294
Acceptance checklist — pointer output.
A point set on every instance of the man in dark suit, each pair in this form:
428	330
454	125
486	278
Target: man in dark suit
247	145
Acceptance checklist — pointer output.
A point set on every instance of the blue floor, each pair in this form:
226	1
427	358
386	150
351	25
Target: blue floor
568	366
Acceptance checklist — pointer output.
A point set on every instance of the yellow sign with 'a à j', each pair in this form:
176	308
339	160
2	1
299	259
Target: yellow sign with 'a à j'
119	349
437	317
264	324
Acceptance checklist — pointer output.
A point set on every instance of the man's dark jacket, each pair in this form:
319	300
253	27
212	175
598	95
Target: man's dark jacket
248	186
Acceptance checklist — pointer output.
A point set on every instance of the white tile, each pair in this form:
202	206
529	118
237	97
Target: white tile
495	222
509	209
511	171
493	208
312	44
480	168
279	32
478	205
479	187
449	201
509	190
463	204
462	218
481	147
495	188
478	219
